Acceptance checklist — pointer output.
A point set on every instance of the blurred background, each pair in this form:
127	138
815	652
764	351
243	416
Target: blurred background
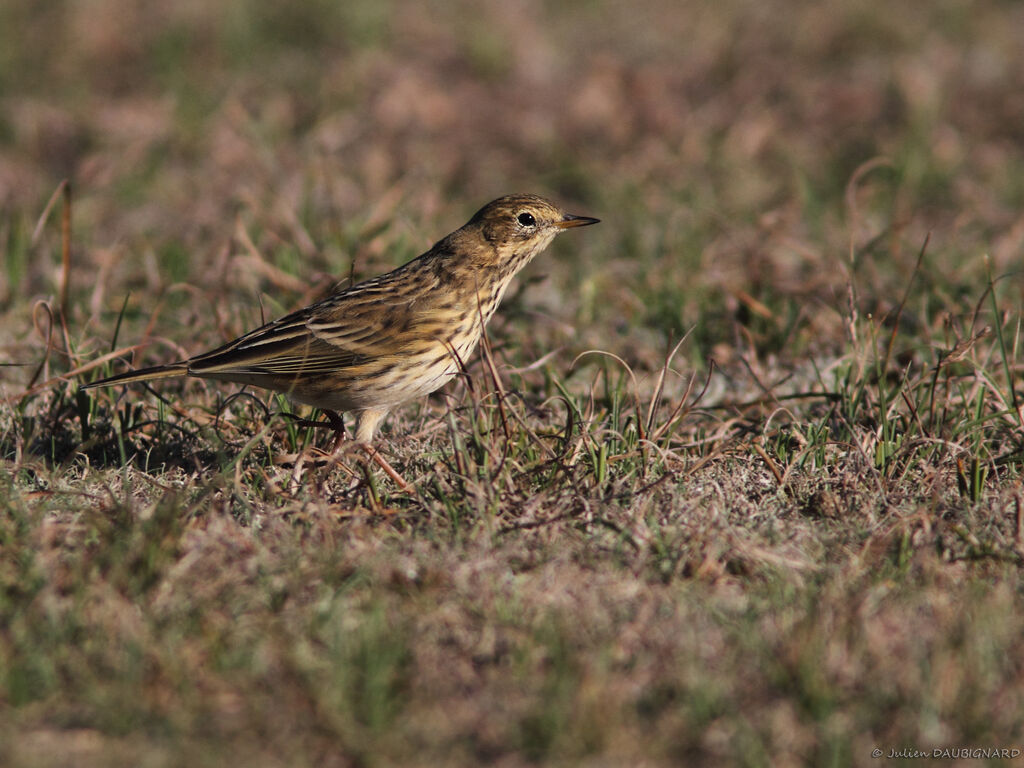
720	144
788	581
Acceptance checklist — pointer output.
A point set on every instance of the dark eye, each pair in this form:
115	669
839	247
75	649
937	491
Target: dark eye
526	219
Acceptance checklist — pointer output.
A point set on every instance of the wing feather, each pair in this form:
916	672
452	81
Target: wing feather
372	323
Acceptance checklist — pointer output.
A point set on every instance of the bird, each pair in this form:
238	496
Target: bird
369	347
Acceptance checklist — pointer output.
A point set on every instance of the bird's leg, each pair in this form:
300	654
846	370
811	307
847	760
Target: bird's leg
366	426
338	425
390	471
334	422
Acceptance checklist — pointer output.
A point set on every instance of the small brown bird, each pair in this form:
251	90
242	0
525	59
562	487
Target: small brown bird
393	338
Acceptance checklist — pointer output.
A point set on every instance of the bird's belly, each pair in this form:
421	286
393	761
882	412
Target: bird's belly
382	384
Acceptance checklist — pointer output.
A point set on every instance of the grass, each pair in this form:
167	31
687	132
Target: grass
738	481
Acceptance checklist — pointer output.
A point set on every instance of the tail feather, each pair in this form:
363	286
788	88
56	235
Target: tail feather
145	374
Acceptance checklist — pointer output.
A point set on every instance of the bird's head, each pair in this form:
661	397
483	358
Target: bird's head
515	228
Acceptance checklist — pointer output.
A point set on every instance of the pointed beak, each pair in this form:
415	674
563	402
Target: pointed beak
569	221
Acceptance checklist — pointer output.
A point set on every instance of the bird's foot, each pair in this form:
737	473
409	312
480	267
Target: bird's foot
341	445
390	471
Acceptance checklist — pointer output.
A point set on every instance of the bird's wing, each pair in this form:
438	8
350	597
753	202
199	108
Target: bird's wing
343	331
282	347
380	321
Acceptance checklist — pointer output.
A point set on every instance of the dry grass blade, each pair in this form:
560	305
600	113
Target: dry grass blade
74	373
65	250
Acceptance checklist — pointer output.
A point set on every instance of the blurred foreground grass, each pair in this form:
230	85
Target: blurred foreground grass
805	551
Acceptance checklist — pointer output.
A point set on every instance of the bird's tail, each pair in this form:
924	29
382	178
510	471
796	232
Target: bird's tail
145	374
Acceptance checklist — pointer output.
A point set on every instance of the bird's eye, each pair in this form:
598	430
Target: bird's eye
526	219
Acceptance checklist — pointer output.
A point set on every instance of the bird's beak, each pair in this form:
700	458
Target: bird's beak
575	221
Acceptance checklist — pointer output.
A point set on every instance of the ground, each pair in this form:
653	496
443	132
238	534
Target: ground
739	483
